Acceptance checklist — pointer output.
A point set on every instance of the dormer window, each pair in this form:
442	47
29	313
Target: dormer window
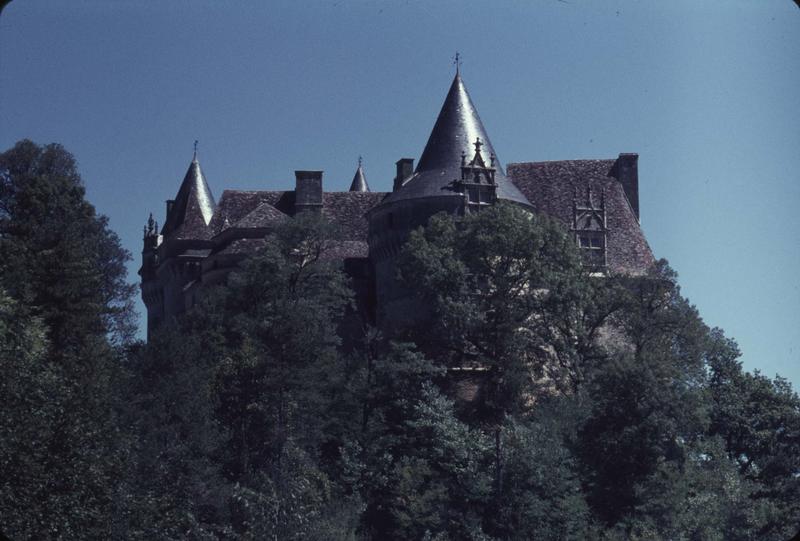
589	227
477	180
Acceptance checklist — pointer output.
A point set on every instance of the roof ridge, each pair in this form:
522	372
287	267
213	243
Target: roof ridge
564	161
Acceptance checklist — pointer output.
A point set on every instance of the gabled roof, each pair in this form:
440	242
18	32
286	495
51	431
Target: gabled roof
551	188
234	205
359	183
258	209
193	208
454	134
264	215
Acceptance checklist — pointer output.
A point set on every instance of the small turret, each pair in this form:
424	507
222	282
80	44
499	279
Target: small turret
193	207
151	242
359	183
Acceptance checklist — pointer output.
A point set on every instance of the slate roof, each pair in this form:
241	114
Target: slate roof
455	132
346	249
242	246
251	211
346	210
256	209
337	250
359	183
193	208
550	187
264	215
234	205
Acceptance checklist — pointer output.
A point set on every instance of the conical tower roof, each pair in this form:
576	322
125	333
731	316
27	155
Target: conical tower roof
359	183
194	206
455	132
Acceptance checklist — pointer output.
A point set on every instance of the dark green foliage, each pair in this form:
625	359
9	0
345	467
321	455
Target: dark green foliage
536	401
605	408
173	484
236	395
656	461
541	496
506	293
759	421
424	470
65	305
57	256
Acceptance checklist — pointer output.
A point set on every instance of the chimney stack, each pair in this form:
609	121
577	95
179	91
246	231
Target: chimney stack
405	168
626	170
308	191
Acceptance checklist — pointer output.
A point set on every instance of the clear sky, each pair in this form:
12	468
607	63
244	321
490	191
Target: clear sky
705	92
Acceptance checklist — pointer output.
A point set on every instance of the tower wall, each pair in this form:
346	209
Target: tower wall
389	228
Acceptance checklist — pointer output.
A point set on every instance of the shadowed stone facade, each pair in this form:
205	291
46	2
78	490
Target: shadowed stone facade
458	172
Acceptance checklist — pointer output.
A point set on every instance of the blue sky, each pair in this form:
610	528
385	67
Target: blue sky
705	92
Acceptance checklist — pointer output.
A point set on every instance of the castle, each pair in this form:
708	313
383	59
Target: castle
202	240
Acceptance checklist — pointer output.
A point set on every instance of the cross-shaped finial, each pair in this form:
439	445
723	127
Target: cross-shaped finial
457	61
195	149
478	145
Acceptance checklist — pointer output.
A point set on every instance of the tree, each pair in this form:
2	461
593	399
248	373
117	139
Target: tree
236	399
758	420
63	271
646	404
672	427
541	497
509	302
423	471
57	256
507	294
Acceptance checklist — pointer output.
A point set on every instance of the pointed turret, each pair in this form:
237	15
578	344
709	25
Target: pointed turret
359	183
190	212
457	129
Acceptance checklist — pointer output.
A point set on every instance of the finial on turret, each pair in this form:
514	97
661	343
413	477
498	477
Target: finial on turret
359	161
478	146
194	157
457	61
151	228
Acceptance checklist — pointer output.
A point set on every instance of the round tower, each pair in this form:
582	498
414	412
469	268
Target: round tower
458	172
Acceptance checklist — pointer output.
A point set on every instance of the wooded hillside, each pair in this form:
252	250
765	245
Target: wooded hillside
535	402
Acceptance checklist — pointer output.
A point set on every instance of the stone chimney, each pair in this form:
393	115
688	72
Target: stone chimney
308	191
626	170
170	206
405	168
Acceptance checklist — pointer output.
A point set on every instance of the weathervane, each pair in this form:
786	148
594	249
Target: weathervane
457	61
